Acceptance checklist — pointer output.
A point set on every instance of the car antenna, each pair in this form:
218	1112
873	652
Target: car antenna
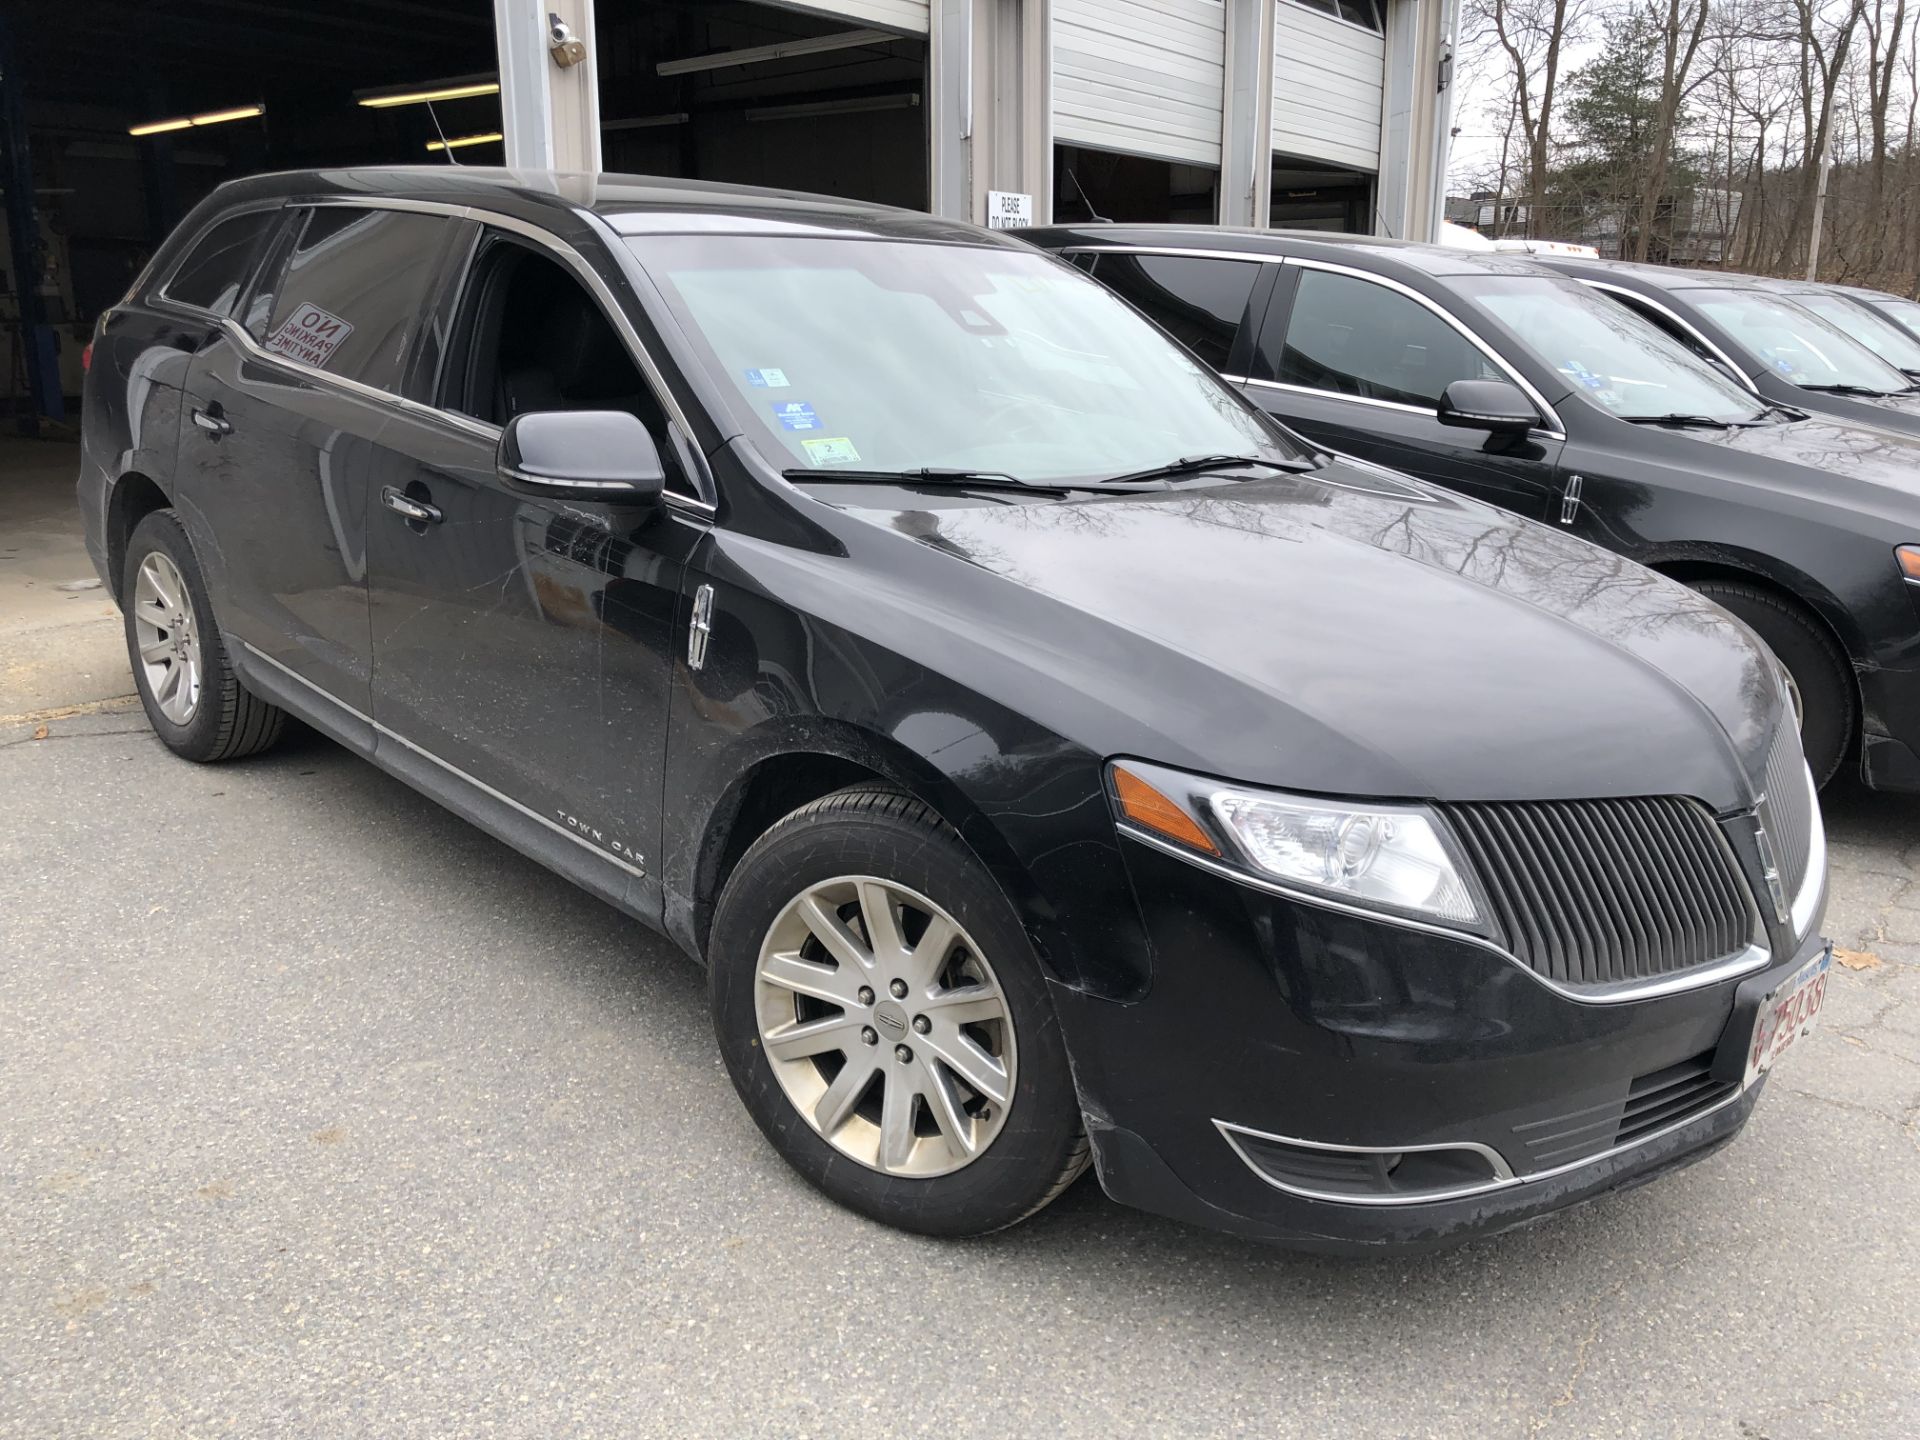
1092	214
445	148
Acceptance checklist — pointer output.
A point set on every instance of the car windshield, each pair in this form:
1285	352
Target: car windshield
1906	312
1801	346
900	355
1878	334
1605	351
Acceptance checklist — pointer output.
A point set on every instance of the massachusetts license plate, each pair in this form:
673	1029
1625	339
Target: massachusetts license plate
1787	1014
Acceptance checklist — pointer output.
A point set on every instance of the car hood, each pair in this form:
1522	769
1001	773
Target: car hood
1864	468
1345	631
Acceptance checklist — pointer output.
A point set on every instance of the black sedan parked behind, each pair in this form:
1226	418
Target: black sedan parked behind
1769	341
1049	755
1499	379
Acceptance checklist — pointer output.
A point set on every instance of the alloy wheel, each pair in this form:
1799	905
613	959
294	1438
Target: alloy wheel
885	1026
168	643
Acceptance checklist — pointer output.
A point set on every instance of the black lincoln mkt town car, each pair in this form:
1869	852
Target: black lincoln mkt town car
1050	756
1507	381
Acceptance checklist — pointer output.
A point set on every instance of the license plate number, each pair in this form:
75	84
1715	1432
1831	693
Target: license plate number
1787	1014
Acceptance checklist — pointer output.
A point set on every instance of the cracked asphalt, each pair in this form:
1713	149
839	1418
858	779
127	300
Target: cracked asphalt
322	1114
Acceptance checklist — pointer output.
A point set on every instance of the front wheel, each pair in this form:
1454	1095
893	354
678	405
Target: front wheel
1820	678
885	1021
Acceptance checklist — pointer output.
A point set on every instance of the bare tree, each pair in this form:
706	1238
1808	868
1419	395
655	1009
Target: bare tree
1532	37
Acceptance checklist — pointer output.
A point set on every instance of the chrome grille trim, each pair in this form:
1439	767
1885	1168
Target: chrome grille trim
1595	895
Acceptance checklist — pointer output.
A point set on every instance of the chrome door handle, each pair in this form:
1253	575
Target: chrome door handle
418	511
211	423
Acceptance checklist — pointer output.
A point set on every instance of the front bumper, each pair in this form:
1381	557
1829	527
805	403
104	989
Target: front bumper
1294	1020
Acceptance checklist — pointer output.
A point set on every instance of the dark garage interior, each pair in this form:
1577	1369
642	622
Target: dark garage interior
226	88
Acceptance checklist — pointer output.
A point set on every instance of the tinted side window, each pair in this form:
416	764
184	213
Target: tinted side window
1354	337
1199	302
346	298
216	267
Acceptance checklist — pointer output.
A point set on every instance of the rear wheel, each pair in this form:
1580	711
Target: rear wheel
884	1019
1820	680
193	700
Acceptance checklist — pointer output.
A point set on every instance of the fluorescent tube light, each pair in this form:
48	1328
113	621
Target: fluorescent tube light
184	122
461	87
460	142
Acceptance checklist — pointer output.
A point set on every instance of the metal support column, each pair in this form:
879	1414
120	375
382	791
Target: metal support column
38	344
1246	119
549	110
990	66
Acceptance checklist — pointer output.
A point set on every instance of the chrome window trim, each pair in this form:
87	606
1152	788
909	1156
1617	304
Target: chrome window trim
1742	962
1484	1187
560	251
1182	251
1395	405
1550	429
1652	304
448	766
1553	429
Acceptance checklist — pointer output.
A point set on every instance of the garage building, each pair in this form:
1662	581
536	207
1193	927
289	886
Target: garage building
1328	114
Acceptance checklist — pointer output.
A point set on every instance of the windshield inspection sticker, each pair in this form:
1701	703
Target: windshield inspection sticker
796	415
768	379
309	335
835	451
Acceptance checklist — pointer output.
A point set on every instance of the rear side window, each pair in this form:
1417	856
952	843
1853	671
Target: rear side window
1353	337
346	298
211	276
1198	302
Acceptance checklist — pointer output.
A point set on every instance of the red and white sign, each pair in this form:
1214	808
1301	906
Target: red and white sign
309	335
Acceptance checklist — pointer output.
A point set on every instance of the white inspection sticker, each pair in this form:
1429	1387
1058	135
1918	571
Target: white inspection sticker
835	450
309	335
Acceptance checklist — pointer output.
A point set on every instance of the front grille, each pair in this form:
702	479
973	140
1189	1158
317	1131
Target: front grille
1653	1101
1788	812
1606	892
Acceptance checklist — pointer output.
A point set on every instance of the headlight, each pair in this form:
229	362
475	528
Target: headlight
1392	857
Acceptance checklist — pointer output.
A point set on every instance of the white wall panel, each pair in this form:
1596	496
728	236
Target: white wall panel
1327	79
1143	76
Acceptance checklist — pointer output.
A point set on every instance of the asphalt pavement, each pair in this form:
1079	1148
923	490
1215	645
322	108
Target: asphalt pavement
322	1114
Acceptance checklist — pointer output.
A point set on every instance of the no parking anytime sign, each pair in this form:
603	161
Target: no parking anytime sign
309	335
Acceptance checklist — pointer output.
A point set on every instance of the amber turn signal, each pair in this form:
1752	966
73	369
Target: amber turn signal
1147	807
1909	558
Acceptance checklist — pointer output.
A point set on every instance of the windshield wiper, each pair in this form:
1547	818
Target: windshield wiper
1694	422
937	475
1864	391
1195	464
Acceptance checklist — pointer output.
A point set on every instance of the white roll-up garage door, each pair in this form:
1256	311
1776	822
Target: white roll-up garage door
1327	77
1142	76
907	16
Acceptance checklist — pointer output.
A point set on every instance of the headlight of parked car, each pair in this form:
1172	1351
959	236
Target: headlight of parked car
1387	857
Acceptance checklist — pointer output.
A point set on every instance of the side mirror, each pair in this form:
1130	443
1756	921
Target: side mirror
588	454
1492	405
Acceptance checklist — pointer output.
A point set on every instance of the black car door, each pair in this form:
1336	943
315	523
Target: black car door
285	439
525	642
1359	365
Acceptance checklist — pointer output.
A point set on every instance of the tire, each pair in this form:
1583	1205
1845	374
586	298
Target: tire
161	584
1820	673
1022	1154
